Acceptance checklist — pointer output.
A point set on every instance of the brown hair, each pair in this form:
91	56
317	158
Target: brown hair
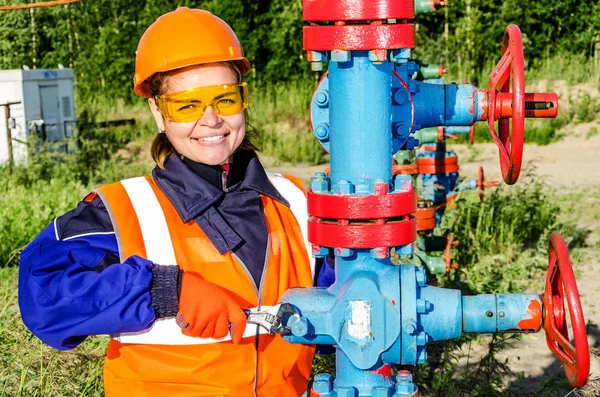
161	146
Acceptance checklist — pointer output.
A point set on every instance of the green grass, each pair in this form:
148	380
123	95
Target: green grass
29	368
573	68
280	114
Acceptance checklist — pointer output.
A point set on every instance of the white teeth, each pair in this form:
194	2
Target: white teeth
211	138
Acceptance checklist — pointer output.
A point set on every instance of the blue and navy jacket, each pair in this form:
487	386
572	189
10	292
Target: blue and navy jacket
69	288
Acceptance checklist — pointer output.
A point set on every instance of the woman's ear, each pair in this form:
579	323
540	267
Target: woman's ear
158	117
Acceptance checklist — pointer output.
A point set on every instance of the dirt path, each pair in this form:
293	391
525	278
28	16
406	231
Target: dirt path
567	163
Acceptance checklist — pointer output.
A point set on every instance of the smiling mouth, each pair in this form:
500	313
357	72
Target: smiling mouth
213	138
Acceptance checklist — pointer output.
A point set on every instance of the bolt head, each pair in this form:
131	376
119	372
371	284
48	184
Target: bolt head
343	252
404	376
298	325
319	184
403	183
378	55
422	356
346	392
316	56
420	275
401	55
319	252
316	66
322	383
345	187
401	96
407	249
340	56
322	131
321	98
422	306
380	253
381	391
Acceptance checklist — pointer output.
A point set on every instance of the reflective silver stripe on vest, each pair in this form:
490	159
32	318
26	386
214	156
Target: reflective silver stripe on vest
299	206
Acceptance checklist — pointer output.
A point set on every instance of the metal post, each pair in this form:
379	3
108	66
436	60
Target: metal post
8	131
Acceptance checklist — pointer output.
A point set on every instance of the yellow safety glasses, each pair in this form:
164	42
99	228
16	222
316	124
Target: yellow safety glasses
189	105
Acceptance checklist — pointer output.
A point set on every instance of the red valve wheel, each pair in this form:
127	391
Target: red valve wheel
480	183
561	285
510	67
448	252
472	134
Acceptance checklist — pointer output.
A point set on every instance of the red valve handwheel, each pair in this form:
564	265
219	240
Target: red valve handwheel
472	134
561	285
510	67
480	185
448	252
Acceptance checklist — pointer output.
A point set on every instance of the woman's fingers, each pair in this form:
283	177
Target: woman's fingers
221	327
237	317
209	330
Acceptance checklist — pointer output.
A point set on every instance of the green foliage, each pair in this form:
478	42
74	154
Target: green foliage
538	131
592	132
504	237
26	209
283	123
99	38
475	29
53	182
587	109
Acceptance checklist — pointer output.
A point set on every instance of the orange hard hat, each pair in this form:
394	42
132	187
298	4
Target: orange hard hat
181	38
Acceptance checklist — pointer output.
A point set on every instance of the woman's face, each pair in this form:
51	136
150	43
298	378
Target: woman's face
212	139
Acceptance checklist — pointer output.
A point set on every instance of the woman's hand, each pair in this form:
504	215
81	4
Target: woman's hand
207	310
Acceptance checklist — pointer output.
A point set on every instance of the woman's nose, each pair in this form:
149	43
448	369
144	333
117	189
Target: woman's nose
210	118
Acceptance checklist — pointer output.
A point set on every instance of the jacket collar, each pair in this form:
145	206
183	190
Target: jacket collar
191	194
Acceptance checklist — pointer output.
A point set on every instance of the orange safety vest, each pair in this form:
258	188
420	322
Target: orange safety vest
162	361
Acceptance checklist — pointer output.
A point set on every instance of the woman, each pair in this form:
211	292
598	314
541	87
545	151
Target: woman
165	264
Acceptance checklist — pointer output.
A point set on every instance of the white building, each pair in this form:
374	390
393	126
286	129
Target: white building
42	101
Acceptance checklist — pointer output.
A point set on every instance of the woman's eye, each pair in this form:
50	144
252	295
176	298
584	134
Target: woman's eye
226	102
190	106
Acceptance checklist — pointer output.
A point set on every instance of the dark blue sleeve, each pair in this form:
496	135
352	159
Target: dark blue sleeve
71	287
326	273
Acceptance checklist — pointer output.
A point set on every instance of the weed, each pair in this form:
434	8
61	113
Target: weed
592	132
586	109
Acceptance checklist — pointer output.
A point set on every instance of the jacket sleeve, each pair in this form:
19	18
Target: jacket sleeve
72	284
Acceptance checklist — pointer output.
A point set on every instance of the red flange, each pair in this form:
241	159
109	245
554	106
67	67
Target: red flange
361	234
440	147
561	284
334	206
352	10
405	169
438	165
510	67
425	219
358	37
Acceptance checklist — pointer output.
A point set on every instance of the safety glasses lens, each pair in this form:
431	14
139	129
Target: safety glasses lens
186	106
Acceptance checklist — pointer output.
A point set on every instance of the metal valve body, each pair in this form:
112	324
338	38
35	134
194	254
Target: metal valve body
365	109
